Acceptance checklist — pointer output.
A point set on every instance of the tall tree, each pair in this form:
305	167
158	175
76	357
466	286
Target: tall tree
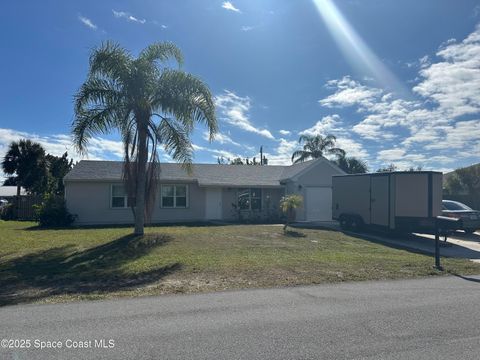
352	165
150	104
25	160
470	178
58	167
315	147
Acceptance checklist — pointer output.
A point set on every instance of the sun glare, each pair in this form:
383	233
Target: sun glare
357	52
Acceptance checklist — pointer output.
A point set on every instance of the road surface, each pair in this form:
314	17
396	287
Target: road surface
434	318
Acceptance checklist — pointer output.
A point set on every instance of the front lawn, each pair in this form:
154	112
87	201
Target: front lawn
91	263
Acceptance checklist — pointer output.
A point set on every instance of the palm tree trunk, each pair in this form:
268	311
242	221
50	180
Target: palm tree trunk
141	181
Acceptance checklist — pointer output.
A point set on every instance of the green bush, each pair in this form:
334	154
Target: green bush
52	212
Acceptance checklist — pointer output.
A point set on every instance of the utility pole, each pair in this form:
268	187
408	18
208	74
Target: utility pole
261	155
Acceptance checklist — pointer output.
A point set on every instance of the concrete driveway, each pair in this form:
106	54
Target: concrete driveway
459	244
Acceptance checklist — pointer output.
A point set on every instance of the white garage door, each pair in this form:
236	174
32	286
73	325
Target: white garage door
318	201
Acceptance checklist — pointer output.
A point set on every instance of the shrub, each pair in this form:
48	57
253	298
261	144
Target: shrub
52	212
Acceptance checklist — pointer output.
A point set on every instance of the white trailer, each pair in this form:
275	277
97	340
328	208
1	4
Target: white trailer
403	201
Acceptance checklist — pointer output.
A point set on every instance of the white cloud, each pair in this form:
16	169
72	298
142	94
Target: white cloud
454	83
234	110
216	153
57	144
284	132
247	28
282	154
327	125
403	158
229	6
352	147
221	138
461	135
127	16
349	93
332	124
87	22
440	121
163	26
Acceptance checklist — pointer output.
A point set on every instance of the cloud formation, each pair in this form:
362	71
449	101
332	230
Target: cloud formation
234	110
127	16
221	138
57	144
87	22
443	119
227	5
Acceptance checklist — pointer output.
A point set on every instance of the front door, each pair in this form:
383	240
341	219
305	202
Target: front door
379	201
213	204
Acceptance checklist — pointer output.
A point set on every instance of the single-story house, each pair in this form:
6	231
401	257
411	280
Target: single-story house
95	193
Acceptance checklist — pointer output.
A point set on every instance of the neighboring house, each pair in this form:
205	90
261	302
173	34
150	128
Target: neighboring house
95	193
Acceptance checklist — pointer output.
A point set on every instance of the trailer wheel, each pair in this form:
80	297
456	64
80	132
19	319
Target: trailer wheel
344	222
355	223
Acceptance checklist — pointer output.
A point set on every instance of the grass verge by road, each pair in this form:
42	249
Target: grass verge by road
91	263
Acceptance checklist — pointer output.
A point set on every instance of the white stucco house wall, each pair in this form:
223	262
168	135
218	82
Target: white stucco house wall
94	192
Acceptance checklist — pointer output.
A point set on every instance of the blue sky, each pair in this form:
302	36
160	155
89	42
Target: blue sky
395	81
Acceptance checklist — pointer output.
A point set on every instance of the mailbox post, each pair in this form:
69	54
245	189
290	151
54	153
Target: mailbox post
438	266
443	223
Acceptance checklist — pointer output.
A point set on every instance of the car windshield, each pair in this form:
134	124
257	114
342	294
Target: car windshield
453	205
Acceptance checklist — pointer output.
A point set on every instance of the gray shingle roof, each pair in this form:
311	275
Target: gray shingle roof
204	174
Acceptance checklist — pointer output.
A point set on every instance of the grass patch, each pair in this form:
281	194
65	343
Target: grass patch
93	263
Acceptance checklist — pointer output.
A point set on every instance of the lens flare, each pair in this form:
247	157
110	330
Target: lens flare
357	52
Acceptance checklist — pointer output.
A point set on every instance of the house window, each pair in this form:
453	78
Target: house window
174	196
120	198
250	199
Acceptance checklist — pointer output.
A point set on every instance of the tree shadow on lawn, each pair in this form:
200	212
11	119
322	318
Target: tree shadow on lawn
295	234
123	226
62	271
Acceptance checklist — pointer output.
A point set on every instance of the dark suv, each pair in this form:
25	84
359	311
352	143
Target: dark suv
470	219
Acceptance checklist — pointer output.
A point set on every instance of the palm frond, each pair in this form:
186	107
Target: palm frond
305	139
110	60
97	91
175	140
98	120
301	156
161	52
186	98
337	152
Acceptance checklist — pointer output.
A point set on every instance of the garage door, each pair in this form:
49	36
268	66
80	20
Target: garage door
318	201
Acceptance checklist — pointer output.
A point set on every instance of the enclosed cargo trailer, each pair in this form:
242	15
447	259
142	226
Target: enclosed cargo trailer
403	201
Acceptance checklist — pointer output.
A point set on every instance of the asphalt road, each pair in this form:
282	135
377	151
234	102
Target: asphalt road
434	318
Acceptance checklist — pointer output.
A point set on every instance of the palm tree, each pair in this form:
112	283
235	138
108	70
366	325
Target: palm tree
315	147
149	104
352	165
26	160
288	205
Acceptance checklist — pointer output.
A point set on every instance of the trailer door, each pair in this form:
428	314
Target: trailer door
379	200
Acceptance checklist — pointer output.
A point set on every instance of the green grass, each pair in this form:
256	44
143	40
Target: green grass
90	263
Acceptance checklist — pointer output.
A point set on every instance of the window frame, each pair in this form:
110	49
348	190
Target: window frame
125	198
187	196
250	198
